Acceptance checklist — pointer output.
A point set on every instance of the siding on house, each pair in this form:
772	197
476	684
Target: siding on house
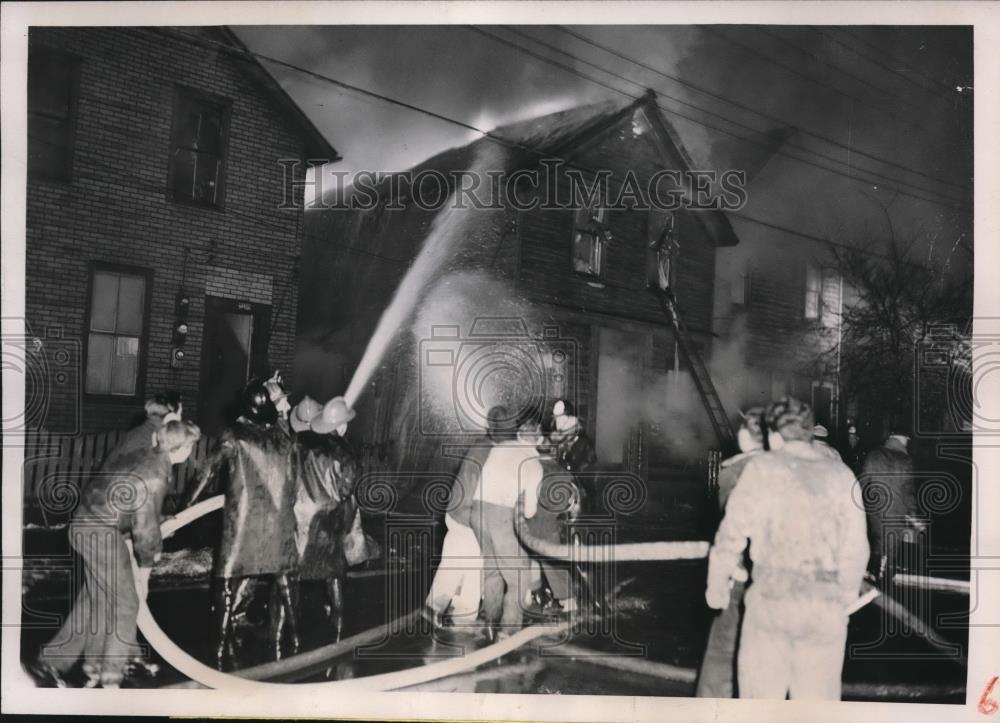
355	261
115	209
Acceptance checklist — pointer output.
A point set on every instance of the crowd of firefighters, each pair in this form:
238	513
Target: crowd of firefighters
789	557
289	515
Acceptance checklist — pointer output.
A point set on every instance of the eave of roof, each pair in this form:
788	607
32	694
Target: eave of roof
316	146
559	134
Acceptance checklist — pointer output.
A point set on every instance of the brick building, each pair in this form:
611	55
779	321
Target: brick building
577	275
155	198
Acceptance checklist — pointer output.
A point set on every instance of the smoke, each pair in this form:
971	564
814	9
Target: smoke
671	408
483	329
449	229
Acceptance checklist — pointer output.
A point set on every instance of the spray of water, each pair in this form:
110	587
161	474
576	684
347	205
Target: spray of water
450	227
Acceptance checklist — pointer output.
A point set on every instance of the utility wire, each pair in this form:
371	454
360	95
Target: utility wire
762	114
837	68
939	198
856	37
892	113
875	61
138	182
141	182
240	52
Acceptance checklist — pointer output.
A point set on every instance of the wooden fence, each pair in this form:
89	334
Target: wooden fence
56	466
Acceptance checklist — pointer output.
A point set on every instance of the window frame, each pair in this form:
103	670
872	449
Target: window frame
141	363
225	105
75	63
817	317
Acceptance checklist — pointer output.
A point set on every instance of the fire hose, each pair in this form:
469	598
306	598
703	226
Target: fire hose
209	677
251	679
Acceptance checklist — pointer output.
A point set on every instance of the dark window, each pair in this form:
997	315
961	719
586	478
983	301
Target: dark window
198	149
116	331
53	77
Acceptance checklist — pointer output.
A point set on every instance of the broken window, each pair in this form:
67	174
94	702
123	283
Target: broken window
590	235
198	149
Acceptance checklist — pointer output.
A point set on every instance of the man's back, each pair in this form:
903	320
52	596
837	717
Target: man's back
467	479
806	530
891	469
511	468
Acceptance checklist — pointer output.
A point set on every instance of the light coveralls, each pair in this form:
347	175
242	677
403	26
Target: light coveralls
458	579
512	468
809	548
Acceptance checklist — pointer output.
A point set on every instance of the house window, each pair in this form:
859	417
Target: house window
830	302
115	331
822	300
590	236
740	289
53	78
198	149
814	291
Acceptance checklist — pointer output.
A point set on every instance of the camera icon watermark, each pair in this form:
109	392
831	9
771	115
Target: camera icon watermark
51	366
461	377
957	374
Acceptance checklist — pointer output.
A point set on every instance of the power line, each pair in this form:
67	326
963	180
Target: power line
945	85
834	67
209	43
795	71
880	64
238	51
762	114
939	198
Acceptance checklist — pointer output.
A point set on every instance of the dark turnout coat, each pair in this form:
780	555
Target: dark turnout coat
128	493
254	464
327	470
890	492
136	439
558	494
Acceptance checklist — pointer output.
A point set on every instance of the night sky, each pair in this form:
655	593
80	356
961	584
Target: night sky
857	96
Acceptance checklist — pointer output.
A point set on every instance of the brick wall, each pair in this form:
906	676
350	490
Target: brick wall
115	209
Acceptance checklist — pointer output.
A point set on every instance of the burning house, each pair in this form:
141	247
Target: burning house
571	279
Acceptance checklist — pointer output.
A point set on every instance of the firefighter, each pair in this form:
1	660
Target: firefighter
457	586
807	543
890	495
716	678
511	468
258	526
854	454
558	503
327	471
159	409
123	500
574	450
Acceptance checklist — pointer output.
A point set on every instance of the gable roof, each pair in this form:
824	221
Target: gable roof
316	144
558	134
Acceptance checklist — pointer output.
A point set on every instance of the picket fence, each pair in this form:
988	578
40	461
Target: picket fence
56	466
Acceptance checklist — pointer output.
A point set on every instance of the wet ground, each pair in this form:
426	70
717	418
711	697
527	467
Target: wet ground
658	615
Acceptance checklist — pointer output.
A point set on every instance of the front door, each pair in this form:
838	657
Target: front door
233	351
822	404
